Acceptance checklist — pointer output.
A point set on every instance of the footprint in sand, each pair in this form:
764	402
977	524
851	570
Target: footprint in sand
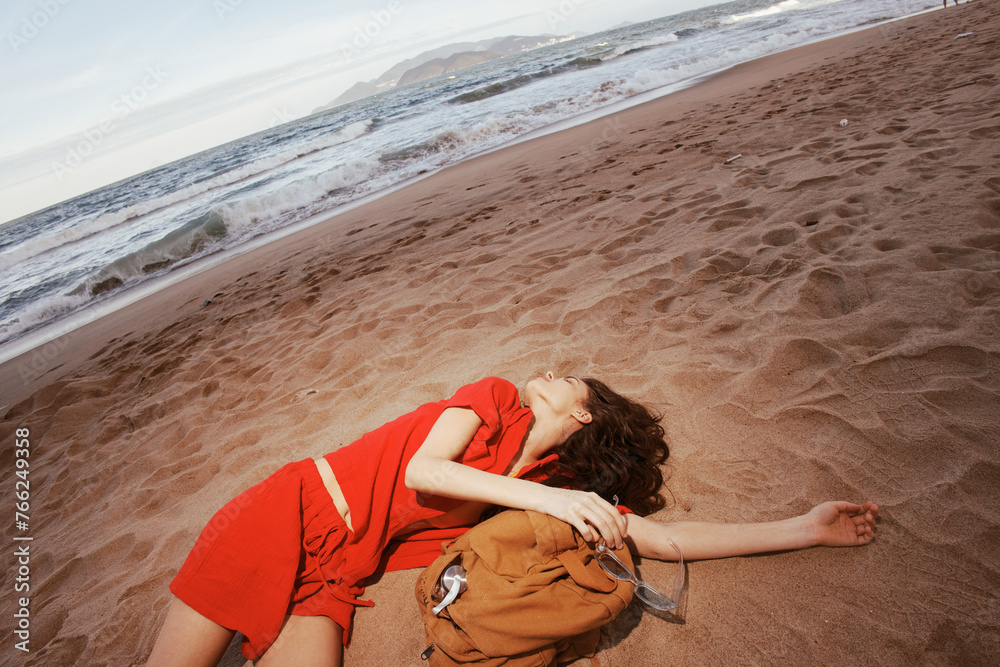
780	237
735	214
886	245
893	129
830	239
830	292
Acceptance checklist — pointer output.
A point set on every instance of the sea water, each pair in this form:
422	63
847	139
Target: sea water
98	249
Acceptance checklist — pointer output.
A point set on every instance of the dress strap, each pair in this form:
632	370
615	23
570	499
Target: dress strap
337	590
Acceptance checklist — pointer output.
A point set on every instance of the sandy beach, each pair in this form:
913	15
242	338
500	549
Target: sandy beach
813	305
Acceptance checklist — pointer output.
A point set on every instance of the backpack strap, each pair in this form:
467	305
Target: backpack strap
592	577
561	539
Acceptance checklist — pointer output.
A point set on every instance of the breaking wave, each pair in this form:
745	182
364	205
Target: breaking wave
103	223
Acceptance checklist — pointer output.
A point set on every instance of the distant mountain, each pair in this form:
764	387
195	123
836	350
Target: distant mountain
355	92
439	66
442	60
393	74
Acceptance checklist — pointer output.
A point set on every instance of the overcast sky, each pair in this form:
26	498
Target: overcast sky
144	83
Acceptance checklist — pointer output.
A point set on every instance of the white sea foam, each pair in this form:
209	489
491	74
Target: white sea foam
223	226
87	228
61	238
787	5
243	216
649	79
770	11
41	311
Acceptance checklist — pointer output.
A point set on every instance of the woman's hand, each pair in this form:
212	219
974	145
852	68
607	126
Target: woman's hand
595	518
842	524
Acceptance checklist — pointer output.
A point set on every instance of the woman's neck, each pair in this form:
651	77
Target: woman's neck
539	441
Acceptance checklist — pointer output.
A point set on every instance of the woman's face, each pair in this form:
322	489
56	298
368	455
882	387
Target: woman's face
560	398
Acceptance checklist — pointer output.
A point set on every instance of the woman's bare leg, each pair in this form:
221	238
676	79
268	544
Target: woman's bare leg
306	641
188	638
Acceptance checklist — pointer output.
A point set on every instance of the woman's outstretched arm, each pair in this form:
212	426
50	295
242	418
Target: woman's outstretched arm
835	524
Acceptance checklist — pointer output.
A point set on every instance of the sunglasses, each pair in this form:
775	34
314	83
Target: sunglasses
620	571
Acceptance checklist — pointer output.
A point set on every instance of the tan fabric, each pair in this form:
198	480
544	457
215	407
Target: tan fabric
536	595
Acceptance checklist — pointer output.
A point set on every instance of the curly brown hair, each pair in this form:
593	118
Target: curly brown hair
618	453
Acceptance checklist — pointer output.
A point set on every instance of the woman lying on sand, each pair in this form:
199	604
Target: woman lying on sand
284	562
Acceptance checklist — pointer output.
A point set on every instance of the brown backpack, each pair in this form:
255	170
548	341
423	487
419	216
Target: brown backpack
536	595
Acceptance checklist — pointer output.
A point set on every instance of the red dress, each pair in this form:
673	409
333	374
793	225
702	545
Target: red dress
282	548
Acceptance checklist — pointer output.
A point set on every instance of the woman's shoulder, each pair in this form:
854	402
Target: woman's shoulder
501	391
494	399
493	381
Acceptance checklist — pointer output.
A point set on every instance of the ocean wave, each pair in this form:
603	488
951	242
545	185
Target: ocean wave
87	228
40	312
649	79
456	141
493	89
501	87
786	5
594	59
64	237
642	45
223	226
243	217
185	242
760	13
